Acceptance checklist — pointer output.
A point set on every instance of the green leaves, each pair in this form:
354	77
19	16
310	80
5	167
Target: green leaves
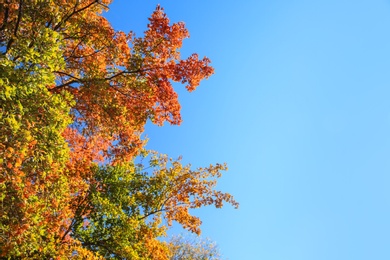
75	96
33	151
109	221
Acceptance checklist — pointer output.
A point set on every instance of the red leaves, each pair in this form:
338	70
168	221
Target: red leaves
119	82
163	39
112	83
192	71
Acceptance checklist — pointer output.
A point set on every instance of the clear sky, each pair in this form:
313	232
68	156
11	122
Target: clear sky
299	108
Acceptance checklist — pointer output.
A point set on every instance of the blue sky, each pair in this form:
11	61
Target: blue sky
299	109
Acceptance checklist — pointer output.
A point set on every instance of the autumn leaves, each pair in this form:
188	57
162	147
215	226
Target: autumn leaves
75	97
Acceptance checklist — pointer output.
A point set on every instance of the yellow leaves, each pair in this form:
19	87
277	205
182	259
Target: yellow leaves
6	91
76	96
174	189
18	162
13	123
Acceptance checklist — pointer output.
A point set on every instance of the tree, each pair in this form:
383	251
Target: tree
124	209
75	97
33	152
193	248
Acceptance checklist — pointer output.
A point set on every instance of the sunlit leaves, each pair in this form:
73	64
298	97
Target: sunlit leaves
75	96
127	204
33	151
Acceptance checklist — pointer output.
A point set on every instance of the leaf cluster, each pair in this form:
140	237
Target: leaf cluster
75	96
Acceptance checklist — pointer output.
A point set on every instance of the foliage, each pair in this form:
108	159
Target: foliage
193	248
75	97
127	203
33	151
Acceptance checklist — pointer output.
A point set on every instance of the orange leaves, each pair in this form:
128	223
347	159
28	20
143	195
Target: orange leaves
77	96
119	81
162	39
182	216
192	71
180	189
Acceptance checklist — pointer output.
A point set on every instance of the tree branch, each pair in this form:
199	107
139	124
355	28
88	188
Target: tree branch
73	13
19	17
16	26
5	19
78	213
